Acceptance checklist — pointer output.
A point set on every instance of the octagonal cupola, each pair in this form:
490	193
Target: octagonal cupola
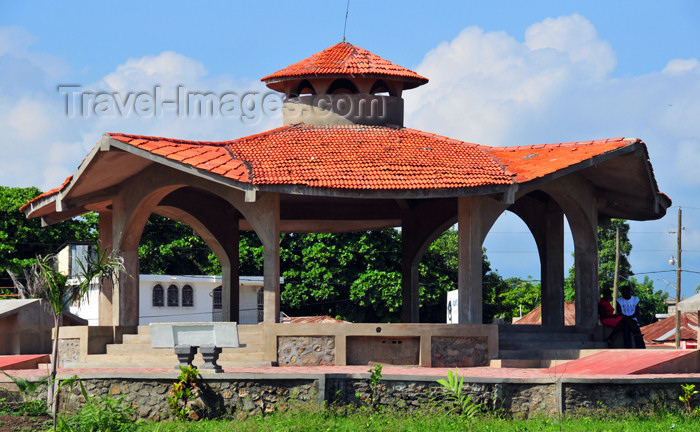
344	85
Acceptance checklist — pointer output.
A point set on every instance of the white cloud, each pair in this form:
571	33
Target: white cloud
557	86
41	145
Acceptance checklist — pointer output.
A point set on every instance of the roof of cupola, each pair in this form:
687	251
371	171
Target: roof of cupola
345	59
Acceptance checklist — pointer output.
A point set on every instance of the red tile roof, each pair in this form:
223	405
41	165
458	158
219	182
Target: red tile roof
534	317
366	158
530	162
346	59
339	157
321	319
665	329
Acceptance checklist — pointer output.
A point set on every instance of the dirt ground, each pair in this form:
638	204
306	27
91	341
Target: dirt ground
24	423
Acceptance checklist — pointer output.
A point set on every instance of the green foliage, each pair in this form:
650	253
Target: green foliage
349	275
183	391
651	301
98	413
375	385
22	239
171	247
606	253
29	390
34	407
463	404
687	396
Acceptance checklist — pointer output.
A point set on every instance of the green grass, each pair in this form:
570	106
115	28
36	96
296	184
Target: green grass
351	420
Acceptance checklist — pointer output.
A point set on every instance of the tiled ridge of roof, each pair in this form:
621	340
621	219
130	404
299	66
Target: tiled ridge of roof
47	193
365	157
344	59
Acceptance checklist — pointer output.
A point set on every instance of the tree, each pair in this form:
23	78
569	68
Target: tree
48	284
606	253
651	301
22	239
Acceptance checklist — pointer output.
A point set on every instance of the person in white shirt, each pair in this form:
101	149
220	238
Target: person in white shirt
628	307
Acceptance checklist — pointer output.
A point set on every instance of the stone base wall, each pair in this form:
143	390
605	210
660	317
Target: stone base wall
522	398
305	350
219	397
459	351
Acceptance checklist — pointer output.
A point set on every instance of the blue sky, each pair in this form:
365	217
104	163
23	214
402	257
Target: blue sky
502	73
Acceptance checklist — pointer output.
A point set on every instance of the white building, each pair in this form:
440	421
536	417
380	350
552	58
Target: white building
166	298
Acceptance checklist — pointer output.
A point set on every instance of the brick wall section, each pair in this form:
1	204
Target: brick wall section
306	350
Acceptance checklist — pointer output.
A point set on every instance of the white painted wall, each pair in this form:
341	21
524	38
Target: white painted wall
201	310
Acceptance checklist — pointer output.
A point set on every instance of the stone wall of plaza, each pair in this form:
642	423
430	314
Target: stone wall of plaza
249	394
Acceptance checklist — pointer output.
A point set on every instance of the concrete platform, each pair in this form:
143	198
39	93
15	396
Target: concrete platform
24	361
631	362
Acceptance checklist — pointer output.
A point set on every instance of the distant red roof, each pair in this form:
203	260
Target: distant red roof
349	60
321	319
534	317
366	158
665	329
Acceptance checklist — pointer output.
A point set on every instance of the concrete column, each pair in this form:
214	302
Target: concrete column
469	275
587	295
270	237
552	267
409	273
104	229
230	289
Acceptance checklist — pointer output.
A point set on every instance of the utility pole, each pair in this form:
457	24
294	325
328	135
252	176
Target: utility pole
616	279
678	279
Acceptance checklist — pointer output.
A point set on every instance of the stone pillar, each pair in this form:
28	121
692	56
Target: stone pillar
105	243
469	274
552	267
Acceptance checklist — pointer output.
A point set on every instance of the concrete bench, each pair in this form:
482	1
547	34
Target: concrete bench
185	338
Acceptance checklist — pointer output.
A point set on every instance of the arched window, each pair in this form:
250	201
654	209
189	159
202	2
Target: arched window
158	296
187	296
216	298
173	297
379	87
305	87
342	86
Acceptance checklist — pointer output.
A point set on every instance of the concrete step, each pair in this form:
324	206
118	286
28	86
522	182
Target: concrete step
546	345
526	336
127	348
520	354
161	357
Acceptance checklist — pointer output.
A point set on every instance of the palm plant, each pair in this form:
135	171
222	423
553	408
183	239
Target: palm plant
59	292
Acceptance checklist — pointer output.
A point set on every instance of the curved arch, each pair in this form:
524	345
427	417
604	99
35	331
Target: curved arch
380	87
187	296
342	86
305	87
158	296
173	296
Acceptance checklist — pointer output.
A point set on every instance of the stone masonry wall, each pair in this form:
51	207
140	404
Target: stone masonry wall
233	397
459	351
305	350
522	398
